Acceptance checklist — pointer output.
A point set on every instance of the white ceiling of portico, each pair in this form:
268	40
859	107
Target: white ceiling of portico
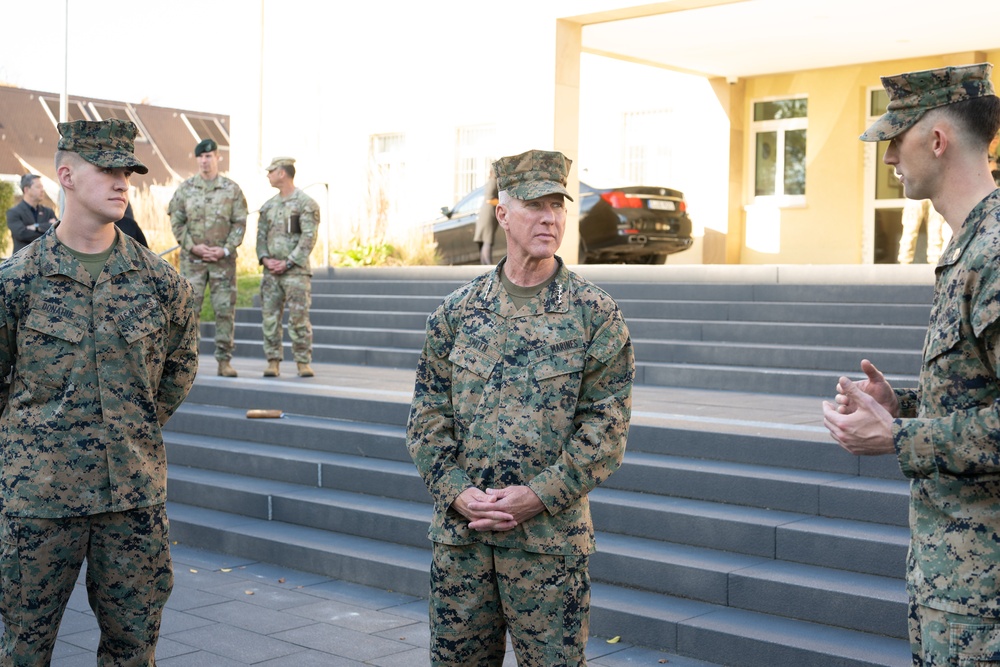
751	37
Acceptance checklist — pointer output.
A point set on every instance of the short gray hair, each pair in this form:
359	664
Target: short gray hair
27	180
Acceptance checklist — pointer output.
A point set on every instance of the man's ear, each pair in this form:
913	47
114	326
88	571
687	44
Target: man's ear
64	174
502	216
939	140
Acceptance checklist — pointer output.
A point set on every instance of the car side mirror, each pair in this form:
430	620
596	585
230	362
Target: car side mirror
445	211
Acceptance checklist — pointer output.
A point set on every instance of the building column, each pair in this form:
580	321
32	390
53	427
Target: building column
566	124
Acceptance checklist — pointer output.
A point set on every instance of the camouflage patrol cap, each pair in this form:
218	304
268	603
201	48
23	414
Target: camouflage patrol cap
205	146
280	162
533	174
105	143
913	94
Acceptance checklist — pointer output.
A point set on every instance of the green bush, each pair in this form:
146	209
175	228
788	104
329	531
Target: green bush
7	197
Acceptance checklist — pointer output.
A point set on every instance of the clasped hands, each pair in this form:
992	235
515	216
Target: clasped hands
497	509
861	418
208	253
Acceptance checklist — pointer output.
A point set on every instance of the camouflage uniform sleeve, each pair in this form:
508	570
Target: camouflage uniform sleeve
963	442
177	211
181	364
309	222
262	223
603	413
8	346
237	220
909	401
430	433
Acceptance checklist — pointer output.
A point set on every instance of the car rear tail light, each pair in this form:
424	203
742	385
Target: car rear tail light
618	199
682	206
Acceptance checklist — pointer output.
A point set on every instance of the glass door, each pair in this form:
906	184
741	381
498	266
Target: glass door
884	204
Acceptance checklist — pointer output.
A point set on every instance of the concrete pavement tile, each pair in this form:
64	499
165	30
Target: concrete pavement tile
180	621
361	596
199	659
417	610
276	575
251	617
264	595
75	621
237	644
417	656
417	634
642	656
184	598
189	556
350	616
342	642
316	659
168	648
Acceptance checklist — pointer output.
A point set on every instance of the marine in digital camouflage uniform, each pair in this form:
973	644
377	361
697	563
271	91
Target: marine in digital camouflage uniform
286	235
208	215
98	347
521	407
946	431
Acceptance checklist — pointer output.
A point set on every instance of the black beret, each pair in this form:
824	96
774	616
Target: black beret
205	146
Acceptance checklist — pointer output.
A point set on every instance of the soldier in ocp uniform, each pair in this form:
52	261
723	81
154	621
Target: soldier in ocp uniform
98	347
286	235
208	215
945	432
521	407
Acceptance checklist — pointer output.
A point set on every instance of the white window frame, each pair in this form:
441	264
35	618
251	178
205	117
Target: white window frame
780	127
647	149
474	153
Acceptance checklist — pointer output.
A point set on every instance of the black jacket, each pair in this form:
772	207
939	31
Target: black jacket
18	219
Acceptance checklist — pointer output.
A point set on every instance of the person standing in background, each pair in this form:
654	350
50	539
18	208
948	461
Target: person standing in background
286	235
208	215
29	220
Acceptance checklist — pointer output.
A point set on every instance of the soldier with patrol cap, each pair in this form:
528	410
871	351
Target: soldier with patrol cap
98	347
208	215
286	235
521	407
946	431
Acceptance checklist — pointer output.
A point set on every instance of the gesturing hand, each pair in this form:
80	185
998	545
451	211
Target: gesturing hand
858	421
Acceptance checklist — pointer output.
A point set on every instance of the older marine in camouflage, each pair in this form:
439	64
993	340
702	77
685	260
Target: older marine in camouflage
287	230
211	212
518	389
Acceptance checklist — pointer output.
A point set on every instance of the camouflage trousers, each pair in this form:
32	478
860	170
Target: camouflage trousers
295	291
220	279
129	578
479	592
941	639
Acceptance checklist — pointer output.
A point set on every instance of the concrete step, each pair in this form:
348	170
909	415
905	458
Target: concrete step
704	631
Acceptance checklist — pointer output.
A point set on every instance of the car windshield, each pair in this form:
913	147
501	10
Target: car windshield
470	204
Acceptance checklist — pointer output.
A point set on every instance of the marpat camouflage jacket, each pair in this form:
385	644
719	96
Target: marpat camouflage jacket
948	436
91	372
539	397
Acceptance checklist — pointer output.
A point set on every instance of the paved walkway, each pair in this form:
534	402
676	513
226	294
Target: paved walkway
227	610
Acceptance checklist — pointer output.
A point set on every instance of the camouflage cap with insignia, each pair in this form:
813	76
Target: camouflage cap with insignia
280	162
913	94
533	174
105	143
205	146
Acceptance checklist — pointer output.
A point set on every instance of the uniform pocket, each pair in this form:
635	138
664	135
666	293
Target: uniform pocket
547	364
974	645
59	336
10	573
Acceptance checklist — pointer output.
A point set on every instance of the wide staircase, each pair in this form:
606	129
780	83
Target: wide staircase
736	531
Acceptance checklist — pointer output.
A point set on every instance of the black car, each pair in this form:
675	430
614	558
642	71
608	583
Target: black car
633	225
